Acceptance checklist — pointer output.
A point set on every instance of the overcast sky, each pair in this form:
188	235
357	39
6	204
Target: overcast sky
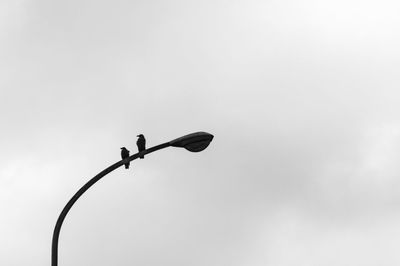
301	96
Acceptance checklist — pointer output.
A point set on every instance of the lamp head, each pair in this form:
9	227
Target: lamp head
194	142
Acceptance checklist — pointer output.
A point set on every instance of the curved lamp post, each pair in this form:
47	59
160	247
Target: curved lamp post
194	142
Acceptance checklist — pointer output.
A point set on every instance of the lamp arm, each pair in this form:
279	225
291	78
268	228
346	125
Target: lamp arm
91	182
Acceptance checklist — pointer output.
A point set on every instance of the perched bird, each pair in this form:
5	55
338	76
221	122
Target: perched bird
141	144
124	155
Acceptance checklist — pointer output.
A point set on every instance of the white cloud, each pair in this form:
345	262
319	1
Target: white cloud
302	98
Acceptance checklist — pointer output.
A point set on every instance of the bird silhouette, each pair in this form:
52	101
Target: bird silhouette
141	143
124	155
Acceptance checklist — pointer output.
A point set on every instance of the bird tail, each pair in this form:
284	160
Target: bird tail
127	166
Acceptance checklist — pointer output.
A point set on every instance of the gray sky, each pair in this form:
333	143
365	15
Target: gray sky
302	97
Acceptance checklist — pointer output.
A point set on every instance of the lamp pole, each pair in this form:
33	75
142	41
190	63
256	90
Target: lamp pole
194	142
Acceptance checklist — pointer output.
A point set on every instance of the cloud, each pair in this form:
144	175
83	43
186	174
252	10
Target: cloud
302	99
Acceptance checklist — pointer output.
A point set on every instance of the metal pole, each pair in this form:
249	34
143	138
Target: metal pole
91	182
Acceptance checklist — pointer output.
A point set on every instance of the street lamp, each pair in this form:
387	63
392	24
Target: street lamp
194	142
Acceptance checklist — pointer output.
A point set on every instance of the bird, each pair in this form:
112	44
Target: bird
141	143
124	155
